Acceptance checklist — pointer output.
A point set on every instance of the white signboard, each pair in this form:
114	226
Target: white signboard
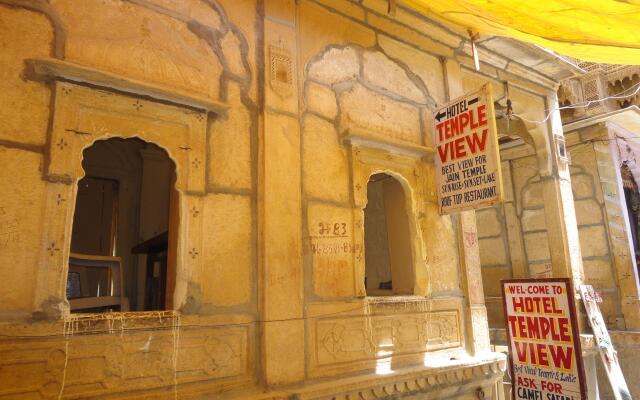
544	343
609	356
468	172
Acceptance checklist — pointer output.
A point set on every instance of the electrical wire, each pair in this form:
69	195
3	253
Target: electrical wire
181	326
584	104
575	150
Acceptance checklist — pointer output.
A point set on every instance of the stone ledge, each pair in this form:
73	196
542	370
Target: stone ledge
625	338
362	138
458	377
51	69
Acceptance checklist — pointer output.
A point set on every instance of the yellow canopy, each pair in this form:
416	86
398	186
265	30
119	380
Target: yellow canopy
602	31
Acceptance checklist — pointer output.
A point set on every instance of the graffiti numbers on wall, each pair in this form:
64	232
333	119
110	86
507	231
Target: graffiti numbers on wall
332	238
336	229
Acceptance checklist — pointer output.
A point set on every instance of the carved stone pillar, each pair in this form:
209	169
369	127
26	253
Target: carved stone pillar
280	204
560	216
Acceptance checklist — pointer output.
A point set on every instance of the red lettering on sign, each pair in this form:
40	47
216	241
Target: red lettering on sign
474	143
538	354
561	356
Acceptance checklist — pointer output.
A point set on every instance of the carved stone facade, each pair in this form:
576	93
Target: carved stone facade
275	114
600	119
616	84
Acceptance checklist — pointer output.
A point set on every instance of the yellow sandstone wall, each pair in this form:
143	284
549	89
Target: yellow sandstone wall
340	89
190	47
514	236
359	86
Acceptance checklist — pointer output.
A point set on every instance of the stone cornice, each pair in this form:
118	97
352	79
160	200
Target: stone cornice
48	69
360	138
459	376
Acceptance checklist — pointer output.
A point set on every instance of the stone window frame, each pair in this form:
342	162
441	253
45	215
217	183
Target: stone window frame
118	110
405	164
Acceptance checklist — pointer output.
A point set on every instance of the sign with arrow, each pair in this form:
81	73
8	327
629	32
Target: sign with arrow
468	174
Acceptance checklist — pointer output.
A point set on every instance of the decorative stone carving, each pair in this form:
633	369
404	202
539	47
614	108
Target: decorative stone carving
281	71
368	158
39	375
361	338
600	81
107	353
87	115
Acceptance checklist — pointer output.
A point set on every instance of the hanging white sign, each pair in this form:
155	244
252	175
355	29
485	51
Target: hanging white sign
468	174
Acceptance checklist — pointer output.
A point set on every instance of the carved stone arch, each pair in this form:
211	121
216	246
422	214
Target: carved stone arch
82	116
42	6
511	125
532	129
396	173
407	169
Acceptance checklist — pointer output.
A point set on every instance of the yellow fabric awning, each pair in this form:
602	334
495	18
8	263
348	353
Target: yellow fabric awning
602	31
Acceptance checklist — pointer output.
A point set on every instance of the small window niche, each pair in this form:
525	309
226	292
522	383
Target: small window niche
388	257
124	236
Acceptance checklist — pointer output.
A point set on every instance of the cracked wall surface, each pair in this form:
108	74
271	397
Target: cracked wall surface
276	114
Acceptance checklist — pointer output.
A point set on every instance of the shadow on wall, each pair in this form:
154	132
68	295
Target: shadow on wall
388	261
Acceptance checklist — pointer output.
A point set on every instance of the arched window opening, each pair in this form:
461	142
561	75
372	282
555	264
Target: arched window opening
123	242
388	260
